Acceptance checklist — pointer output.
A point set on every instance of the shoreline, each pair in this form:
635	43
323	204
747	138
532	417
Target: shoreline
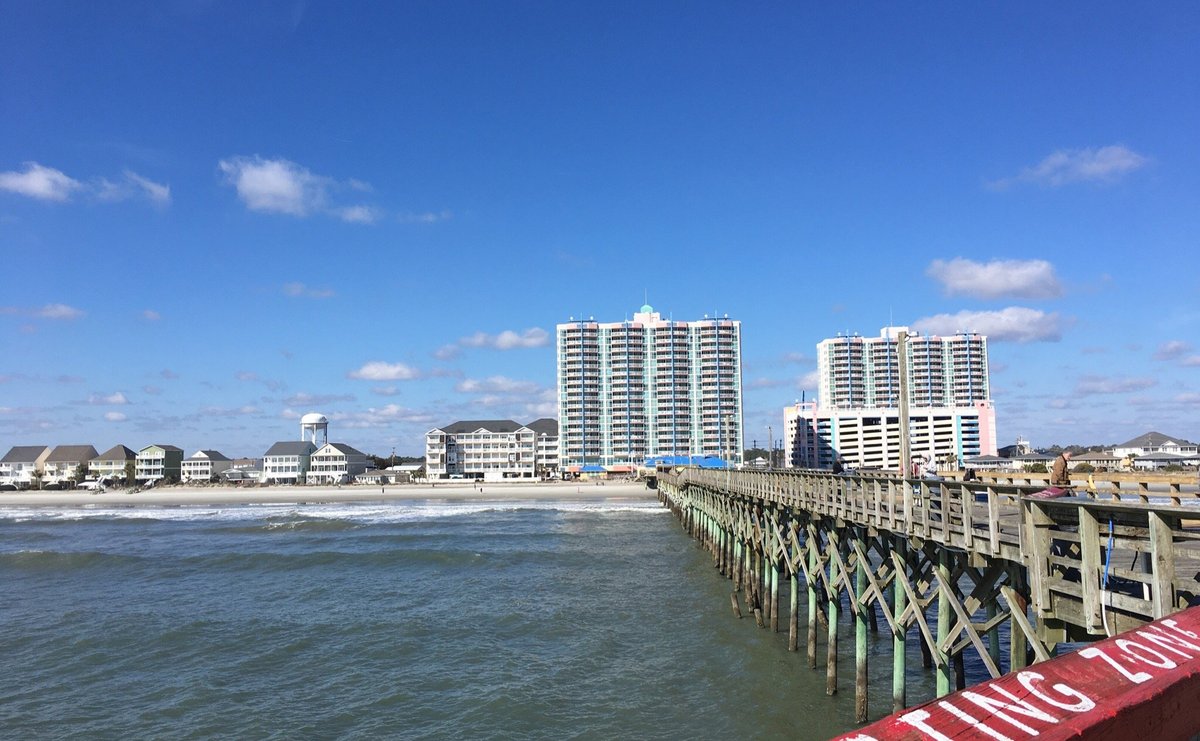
185	495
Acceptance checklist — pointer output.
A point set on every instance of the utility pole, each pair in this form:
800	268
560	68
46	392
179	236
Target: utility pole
770	447
902	365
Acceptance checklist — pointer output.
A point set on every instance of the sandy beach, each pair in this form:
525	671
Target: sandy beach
180	495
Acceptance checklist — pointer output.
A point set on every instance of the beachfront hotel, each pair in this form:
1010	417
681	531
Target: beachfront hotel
648	387
857	416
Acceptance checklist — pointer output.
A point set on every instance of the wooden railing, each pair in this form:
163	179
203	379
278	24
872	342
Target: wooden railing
1097	562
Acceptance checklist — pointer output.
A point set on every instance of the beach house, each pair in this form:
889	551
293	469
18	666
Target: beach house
113	463
203	465
335	463
23	466
158	462
287	462
67	462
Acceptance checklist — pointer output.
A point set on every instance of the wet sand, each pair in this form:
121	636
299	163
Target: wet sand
206	495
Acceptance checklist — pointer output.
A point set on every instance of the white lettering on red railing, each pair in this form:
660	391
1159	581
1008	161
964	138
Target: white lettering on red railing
1029	704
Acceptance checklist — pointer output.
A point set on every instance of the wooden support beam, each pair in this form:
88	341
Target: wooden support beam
861	682
811	545
831	657
1162	557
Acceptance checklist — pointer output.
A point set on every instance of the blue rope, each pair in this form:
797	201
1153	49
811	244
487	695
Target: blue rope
1108	554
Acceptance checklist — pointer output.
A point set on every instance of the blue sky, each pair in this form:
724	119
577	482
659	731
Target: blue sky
217	216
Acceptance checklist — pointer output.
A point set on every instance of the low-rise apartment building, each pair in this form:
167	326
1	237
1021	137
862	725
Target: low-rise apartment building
492	449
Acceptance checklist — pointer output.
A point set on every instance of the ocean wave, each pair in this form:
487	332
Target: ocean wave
42	560
331	516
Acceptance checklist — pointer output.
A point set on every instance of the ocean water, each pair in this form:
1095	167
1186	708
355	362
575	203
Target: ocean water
472	620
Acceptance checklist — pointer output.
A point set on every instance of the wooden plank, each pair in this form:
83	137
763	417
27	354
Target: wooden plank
1089	569
1162	588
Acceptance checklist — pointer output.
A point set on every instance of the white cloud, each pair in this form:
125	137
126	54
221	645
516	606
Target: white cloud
378	370
132	186
810	380
1014	324
447	352
151	315
427	217
1172	350
114	417
43	183
275	186
58	311
251	376
116	398
279	186
1066	166
1089	385
385	416
508	339
49	311
156	192
299	290
996	279
303	399
358	214
798	358
496	384
385	391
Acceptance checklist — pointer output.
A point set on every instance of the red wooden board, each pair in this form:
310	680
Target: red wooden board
1143	684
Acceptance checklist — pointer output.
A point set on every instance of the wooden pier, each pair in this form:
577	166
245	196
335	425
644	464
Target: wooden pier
944	564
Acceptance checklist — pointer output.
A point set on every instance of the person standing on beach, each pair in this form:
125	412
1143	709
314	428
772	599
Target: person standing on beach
1060	473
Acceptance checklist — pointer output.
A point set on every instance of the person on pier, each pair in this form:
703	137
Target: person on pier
1060	473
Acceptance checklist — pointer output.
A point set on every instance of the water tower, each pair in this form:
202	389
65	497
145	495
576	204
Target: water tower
314	428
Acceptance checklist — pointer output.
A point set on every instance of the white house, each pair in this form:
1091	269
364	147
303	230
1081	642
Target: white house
1154	442
335	463
66	462
203	465
287	462
111	463
23	464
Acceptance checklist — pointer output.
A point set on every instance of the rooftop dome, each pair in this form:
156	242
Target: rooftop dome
647	309
313	418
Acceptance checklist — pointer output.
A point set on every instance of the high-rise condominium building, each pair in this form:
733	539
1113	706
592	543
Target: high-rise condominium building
857	416
860	372
648	387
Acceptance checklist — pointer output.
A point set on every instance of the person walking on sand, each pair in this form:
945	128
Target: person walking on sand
1060	474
